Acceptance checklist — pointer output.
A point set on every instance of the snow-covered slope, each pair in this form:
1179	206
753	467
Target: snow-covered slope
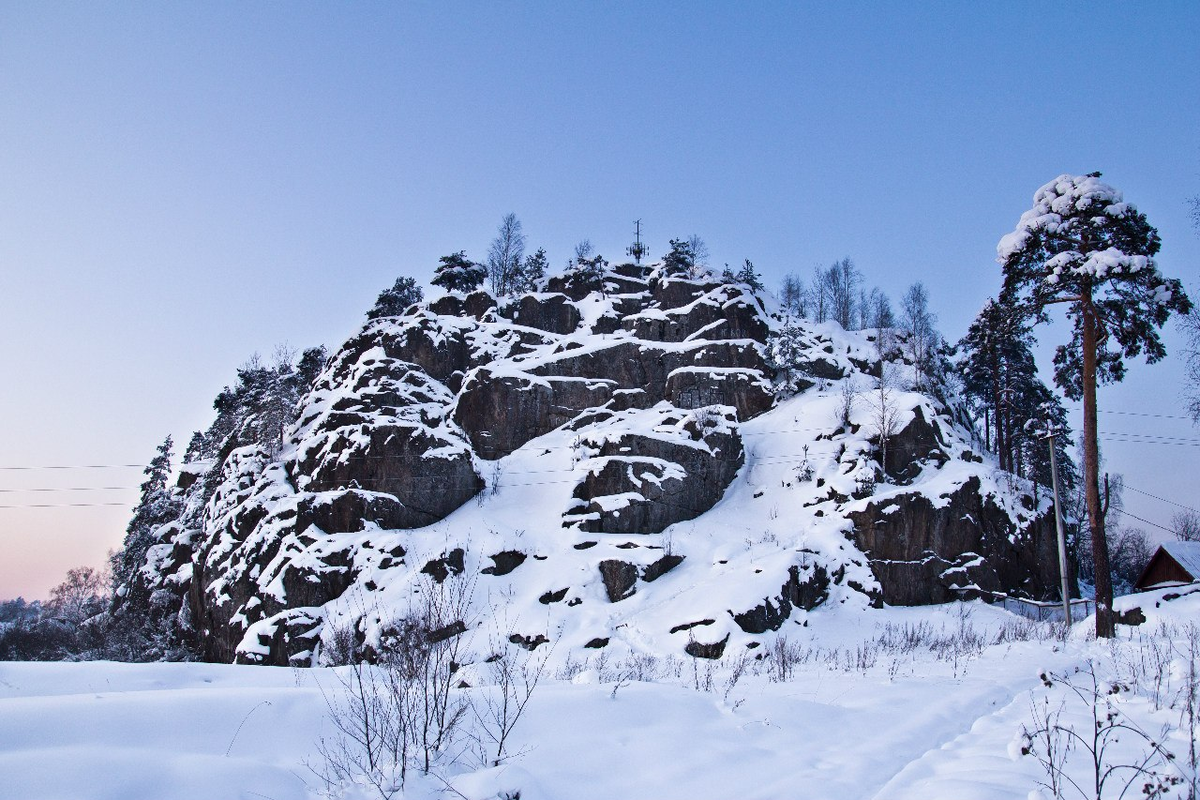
610	466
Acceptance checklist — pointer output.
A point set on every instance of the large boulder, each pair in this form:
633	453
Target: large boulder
429	471
647	366
350	510
436	344
674	292
919	443
290	638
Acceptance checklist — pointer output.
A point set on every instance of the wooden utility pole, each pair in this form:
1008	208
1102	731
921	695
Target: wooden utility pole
1062	539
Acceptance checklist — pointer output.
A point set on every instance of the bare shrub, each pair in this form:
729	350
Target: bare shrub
702	676
737	669
1188	702
640	667
403	712
782	658
1109	770
515	676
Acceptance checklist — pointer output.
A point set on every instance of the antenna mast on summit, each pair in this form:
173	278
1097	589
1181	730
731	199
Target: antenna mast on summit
637	249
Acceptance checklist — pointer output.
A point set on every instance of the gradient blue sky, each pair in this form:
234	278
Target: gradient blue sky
182	185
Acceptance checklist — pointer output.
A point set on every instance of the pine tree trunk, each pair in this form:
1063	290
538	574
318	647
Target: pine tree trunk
998	415
1105	628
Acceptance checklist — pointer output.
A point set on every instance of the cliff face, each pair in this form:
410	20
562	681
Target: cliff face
599	465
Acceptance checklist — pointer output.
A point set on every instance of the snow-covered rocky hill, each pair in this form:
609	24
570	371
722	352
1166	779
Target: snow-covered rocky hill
612	463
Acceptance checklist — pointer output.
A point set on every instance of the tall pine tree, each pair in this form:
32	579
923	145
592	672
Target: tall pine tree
1083	246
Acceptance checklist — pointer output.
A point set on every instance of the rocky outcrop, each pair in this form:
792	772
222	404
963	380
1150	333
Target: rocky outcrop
619	579
636	483
697	387
807	587
553	313
350	511
923	550
917	445
710	650
687	310
378	424
289	639
501	412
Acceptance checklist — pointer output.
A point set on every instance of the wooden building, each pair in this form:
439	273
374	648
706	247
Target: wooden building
1173	564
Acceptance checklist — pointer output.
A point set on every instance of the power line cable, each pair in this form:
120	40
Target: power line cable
1148	522
1172	443
1164	436
75	466
72	489
1141	414
66	505
1162	499
1079	407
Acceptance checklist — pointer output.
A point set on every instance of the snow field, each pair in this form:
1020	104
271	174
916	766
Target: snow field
917	719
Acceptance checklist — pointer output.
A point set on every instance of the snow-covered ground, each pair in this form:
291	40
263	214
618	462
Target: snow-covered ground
893	703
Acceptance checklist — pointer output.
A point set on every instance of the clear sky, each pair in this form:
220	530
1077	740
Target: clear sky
183	184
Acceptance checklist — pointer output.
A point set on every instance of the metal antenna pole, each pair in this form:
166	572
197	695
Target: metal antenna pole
1062	539
638	249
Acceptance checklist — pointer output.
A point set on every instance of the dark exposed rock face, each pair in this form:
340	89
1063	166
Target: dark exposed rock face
449	564
919	552
377	423
645	366
553	597
505	562
706	649
528	642
919	443
316	583
619	578
703	311
479	304
643	484
501	413
553	313
806	592
697	387
290	640
661	567
349	511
